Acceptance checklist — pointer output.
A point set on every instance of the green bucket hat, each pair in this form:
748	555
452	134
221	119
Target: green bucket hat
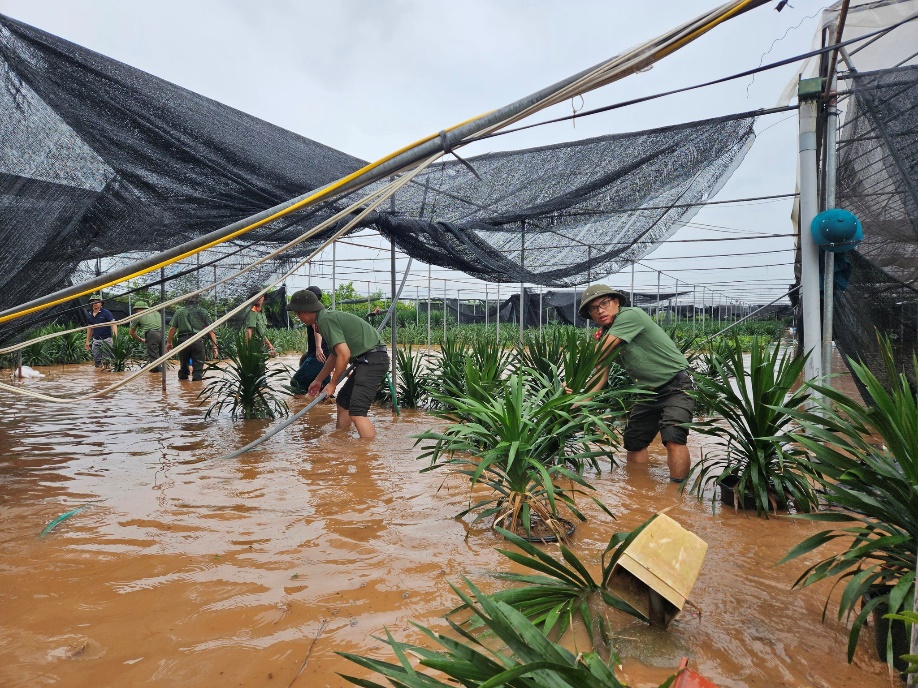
140	304
96	297
593	292
304	301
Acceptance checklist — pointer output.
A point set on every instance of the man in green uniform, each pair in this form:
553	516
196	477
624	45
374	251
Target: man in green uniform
352	340
651	358
147	329
187	321
257	324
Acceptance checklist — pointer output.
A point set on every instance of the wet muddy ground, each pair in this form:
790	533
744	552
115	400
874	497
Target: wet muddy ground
185	570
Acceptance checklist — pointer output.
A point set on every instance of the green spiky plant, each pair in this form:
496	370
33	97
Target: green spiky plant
875	485
120	352
248	388
527	659
752	421
563	595
520	443
414	378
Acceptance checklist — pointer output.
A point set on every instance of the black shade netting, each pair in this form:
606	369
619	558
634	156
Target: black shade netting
878	182
565	214
98	159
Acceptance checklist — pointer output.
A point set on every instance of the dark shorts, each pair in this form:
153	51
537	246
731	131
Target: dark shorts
666	411
360	389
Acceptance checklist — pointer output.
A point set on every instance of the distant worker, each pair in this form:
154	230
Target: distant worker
311	362
147	329
99	337
187	321
257	324
352	340
651	358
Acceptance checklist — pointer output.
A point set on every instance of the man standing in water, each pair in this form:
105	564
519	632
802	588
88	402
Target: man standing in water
99	335
186	322
352	340
651	358
257	324
147	329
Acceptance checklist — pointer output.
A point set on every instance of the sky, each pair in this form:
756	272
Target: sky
370	76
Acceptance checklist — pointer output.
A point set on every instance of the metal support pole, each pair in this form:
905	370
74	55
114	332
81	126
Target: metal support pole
658	296
522	310
541	294
334	271
632	282
694	312
444	310
216	287
429	303
808	91
162	323
676	301
394	320
498	313
417	306
828	281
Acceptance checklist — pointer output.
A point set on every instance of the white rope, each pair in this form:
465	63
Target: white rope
383	195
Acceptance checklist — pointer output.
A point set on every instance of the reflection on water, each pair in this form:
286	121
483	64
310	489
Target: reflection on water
185	570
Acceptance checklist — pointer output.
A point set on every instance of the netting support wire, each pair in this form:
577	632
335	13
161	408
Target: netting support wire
808	93
381	194
714	336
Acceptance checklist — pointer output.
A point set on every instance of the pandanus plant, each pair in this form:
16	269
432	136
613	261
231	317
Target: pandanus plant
247	386
867	458
521	443
523	657
752	406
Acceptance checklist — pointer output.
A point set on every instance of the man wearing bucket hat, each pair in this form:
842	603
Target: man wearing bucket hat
352	340
98	334
311	362
651	358
147	329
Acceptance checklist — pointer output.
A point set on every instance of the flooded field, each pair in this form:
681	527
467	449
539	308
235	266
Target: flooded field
184	570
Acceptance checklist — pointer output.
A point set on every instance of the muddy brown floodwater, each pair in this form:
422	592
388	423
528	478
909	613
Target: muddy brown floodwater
184	570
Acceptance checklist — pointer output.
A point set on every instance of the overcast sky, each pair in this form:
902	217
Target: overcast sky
368	77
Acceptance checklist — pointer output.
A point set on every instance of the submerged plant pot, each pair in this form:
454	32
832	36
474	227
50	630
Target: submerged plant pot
901	637
747	501
540	532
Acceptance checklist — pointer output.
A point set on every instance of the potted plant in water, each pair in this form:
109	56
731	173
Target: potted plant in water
756	455
521	443
246	386
875	483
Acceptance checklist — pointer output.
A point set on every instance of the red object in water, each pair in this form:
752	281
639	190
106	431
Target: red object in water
686	678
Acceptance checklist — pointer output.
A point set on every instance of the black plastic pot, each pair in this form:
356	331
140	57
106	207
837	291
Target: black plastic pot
546	537
901	638
728	490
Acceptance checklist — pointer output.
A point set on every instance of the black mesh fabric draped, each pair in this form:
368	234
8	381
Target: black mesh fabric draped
565	214
102	164
99	159
878	182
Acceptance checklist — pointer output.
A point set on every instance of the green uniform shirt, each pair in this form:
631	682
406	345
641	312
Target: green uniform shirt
258	322
148	320
337	327
189	320
646	352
